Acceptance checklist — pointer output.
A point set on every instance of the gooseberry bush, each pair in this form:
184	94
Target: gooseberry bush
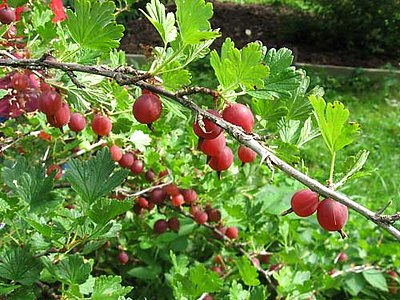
122	181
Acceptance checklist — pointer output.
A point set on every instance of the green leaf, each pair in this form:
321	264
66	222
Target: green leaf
73	270
356	163
354	284
6	289
192	17
105	210
175	77
203	280
247	272
3	93
332	122
376	279
283	80
164	23
16	3
239	67
19	265
94	178
31	184
109	288
93	25
149	272
236	292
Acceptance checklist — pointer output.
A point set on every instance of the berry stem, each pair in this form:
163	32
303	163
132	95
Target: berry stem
332	169
286	212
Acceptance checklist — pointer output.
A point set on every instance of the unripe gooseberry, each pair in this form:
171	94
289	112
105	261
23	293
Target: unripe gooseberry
212	130
332	215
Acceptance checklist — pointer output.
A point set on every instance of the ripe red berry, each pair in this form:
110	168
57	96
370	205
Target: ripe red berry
10	33
163	173
208	297
174	224
150	175
61	117
392	274
304	203
127	160
189	195
177	200
222	161
56	168
123	258
143	203
150	206
116	153
264	257
332	215
44	136
171	189
193	209
20	82
342	257
200	217
212	130
101	125
160	226
218	270
246	155
240	115
7	15
137	167
147	108
157	196
221	230
77	122
232	232
214	146
137	209
49	102
214	215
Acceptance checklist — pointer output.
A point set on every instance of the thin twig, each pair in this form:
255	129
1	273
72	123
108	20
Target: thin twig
237	133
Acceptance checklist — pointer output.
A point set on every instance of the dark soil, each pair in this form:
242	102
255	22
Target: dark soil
275	26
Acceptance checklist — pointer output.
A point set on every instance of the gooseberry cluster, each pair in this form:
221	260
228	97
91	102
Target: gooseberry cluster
331	215
212	140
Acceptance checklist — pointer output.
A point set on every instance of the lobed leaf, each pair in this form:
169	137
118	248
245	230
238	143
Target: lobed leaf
94	178
93	25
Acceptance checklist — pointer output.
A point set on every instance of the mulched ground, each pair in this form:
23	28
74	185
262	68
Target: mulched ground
270	24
